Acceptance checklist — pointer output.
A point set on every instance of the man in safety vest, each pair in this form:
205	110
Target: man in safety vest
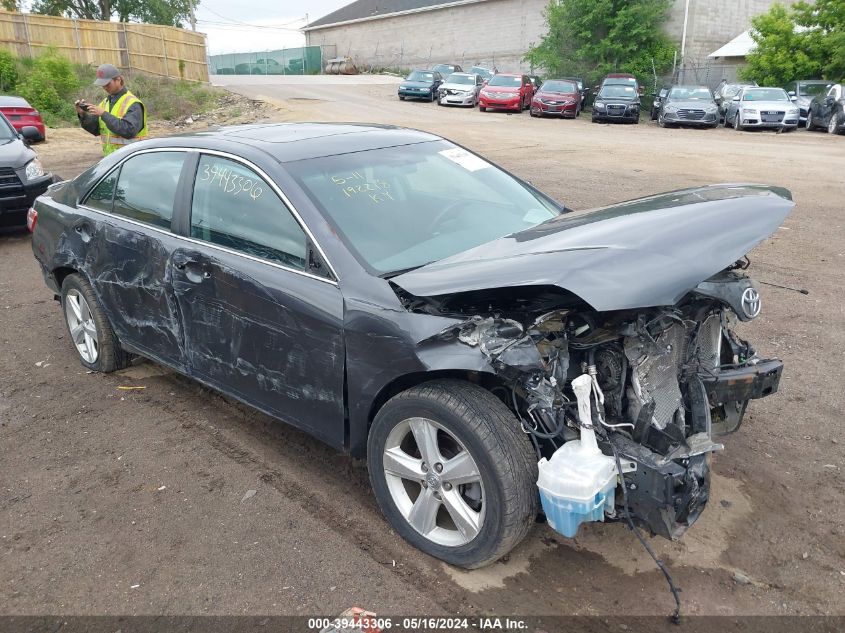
120	118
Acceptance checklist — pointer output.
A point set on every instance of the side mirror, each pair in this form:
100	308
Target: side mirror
735	99
791	93
30	133
793	98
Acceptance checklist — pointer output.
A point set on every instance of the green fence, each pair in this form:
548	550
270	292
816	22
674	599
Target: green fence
287	61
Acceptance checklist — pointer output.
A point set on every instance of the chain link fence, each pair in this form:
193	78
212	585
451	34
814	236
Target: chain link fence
704	72
306	60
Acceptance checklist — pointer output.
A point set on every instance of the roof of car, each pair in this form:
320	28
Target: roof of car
9	101
298	141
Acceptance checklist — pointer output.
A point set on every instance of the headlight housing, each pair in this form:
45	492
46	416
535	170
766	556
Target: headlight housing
34	169
749	111
599	105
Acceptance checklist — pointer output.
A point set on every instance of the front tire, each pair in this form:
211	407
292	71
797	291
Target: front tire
833	124
89	328
737	124
453	472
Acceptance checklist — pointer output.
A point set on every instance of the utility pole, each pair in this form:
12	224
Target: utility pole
192	18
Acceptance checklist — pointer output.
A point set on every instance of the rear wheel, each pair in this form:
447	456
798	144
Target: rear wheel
452	472
89	328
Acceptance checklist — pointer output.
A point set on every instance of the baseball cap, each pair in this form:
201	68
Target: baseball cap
105	73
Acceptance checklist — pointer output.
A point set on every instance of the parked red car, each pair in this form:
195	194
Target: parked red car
21	114
506	91
557	97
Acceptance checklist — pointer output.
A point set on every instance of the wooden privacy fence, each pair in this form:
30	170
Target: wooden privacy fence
165	51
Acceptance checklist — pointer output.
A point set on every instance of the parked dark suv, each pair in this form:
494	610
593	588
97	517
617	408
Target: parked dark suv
22	178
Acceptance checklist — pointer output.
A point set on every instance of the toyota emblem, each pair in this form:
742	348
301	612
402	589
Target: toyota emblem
751	303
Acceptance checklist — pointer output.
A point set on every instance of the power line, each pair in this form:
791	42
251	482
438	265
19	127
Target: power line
257	26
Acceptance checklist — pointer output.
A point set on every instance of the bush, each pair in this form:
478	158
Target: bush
172	99
8	71
51	83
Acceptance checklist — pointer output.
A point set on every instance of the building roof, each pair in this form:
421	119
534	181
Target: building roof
740	46
374	9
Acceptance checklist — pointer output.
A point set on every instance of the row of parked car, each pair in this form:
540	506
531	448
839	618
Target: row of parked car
814	103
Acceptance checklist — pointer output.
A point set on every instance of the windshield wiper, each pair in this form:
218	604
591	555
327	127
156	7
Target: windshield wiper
402	271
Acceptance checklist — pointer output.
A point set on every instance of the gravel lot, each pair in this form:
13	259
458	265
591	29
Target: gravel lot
132	501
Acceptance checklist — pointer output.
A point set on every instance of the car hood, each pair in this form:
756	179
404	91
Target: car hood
461	87
692	104
15	153
645	252
513	89
768	105
557	95
416	84
628	99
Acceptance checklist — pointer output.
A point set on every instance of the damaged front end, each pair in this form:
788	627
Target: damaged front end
663	382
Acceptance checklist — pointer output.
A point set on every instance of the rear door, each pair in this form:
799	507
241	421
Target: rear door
127	246
259	323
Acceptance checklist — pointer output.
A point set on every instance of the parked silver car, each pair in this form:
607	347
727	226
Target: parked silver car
460	89
754	107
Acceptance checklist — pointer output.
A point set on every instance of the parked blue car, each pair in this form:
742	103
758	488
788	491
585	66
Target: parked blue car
421	84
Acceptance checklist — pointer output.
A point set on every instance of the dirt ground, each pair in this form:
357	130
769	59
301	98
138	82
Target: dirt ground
128	493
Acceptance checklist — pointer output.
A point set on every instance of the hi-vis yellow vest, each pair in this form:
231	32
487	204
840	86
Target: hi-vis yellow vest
111	141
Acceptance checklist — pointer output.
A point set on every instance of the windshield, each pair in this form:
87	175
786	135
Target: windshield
812	89
418	75
398	208
444	68
616	91
484	72
559	86
504	80
461	79
690	92
765	94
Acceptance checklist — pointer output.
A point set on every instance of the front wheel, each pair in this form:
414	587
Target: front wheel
89	328
453	473
737	124
809	123
833	124
481	108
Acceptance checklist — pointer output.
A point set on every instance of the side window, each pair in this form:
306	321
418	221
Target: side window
236	208
146	187
102	195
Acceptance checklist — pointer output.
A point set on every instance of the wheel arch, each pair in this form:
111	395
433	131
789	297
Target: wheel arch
488	380
61	273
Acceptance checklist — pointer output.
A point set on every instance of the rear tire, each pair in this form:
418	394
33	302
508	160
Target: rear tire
474	441
89	328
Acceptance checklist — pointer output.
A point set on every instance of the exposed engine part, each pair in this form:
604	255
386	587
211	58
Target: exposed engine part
660	382
655	363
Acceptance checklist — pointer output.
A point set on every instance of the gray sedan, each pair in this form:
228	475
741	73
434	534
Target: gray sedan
460	89
688	105
754	107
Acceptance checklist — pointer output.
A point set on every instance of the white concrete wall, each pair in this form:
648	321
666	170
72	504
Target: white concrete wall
492	32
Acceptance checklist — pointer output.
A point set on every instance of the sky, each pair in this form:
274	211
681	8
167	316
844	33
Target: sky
258	25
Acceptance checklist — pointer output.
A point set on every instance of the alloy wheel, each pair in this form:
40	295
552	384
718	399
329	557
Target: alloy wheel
833	124
434	482
83	330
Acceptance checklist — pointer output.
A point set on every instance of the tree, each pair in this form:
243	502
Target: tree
170	12
804	41
593	38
